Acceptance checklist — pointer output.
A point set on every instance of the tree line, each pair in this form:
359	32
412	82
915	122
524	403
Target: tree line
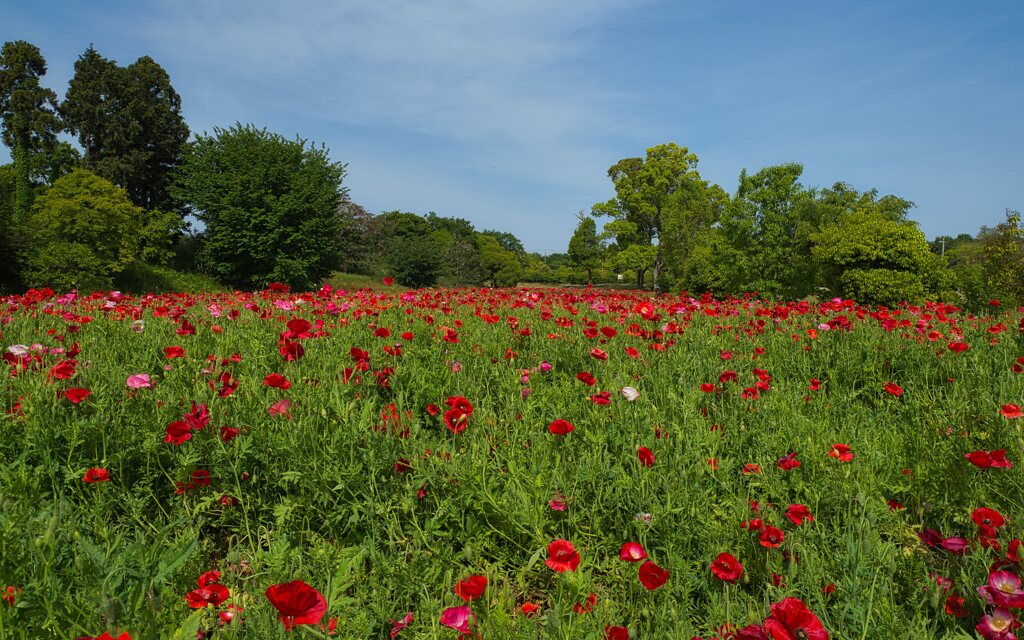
270	208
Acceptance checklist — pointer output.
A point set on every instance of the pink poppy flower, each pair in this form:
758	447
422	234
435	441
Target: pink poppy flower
458	618
139	381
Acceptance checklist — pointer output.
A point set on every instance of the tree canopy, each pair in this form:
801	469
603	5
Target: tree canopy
269	205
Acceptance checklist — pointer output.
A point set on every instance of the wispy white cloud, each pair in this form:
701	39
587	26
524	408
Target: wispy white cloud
501	79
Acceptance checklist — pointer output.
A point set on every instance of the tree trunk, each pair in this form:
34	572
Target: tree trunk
640	278
656	270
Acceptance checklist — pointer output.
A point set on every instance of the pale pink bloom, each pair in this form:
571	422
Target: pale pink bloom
629	393
280	408
139	381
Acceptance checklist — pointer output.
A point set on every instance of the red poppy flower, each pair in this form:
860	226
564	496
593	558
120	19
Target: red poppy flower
456	420
772	537
291	351
562	556
893	389
407	335
201	478
561	427
178	433
841	452
790	619
788	462
460	403
632	353
616	633
296	603
77	394
1011	411
388	281
751	468
106	636
602	398
598	354
798	514
210	595
707	387
986	459
9	593
227	434
727	568
652	576
529	609
63	370
586	378
985	517
632	552
646	456
173	352
277	381
814	385
96	475
471	588
208	578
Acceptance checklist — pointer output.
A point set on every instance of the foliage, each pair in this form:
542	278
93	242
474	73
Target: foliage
501	267
412	256
872	258
644	188
142	278
585	247
128	120
269	205
457	245
83	232
28	120
361	491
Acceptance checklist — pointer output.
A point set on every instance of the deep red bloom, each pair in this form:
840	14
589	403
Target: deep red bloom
173	352
471	588
456	420
893	389
178	433
955	606
792	620
772	537
388	281
646	456
727	568
210	595
1011	411
291	351
297	603
208	578
227	434
841	452
277	381
616	633
77	394
587	606
561	427
602	398
707	387
529	609
652	576
632	552
798	514
788	462
598	354
985	517
986	459
586	378
96	475
562	556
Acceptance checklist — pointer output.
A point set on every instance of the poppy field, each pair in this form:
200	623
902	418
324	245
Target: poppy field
506	464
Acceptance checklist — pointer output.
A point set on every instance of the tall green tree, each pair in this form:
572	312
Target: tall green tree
502	268
458	248
27	115
412	256
644	188
269	205
128	120
585	247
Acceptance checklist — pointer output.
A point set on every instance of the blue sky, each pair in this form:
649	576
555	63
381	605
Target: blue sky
510	113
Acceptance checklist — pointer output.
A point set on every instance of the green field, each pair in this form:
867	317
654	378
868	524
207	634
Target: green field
361	470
